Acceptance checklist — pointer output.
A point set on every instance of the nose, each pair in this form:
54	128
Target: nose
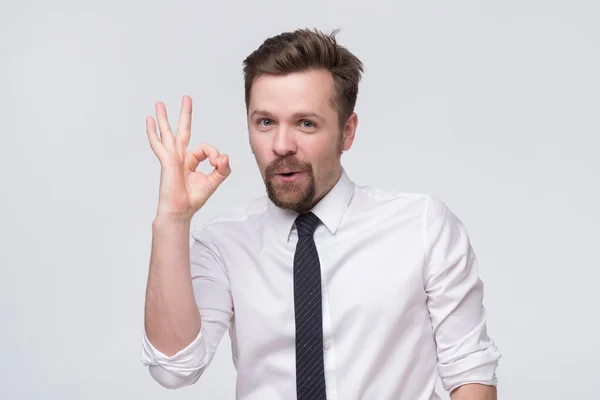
284	142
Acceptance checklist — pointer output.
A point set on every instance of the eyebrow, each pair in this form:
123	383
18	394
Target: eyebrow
307	114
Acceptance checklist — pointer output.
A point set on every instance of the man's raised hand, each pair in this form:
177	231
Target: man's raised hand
183	190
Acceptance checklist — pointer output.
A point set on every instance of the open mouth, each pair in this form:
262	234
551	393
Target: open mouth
288	176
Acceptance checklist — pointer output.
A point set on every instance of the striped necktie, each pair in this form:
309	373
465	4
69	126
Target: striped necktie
310	371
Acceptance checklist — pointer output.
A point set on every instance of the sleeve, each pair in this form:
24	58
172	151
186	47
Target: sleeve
465	352
213	297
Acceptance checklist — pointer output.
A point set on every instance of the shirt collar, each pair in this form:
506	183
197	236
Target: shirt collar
330	209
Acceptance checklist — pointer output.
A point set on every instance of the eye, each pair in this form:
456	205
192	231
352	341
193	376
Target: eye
265	122
307	124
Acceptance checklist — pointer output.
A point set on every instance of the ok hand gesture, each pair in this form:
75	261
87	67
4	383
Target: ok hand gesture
183	190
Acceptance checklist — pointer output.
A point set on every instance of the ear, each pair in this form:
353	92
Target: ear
349	132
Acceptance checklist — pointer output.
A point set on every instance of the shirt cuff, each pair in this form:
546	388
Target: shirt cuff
185	363
479	367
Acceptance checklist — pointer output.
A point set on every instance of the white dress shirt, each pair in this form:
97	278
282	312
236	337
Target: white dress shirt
402	299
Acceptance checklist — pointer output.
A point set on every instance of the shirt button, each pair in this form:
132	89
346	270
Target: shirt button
327	345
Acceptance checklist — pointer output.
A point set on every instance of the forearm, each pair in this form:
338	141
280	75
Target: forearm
474	392
172	319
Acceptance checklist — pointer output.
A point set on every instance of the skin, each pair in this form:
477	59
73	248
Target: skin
293	126
474	391
171	317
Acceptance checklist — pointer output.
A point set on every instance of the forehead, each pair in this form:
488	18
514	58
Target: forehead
296	92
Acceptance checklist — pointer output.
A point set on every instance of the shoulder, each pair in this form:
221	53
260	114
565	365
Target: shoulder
428	208
421	203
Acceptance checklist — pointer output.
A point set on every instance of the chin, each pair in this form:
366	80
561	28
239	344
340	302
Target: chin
299	199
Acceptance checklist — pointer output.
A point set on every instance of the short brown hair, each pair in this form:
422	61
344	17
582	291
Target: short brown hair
303	50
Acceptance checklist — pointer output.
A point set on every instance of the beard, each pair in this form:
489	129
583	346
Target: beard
298	196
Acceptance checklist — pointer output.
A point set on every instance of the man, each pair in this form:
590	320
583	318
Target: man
329	290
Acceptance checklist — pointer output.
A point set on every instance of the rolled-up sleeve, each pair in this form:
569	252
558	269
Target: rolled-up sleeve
213	298
466	354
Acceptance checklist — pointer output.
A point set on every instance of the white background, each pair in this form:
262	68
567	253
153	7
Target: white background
492	106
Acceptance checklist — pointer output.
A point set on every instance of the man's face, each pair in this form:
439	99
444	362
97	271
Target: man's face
296	138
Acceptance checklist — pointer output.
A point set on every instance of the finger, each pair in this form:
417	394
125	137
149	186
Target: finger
167	137
223	168
155	143
221	171
201	153
184	128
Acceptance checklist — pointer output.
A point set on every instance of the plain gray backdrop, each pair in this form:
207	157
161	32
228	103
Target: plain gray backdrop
492	106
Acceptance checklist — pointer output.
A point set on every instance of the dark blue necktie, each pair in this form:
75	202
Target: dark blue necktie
310	371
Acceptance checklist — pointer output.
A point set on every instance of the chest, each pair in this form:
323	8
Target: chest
376	275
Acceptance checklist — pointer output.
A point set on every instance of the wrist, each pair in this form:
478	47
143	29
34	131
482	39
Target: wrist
174	219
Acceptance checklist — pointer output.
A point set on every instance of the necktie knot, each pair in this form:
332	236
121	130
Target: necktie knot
306	224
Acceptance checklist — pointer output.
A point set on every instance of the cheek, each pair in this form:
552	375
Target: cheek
321	153
329	148
263	155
